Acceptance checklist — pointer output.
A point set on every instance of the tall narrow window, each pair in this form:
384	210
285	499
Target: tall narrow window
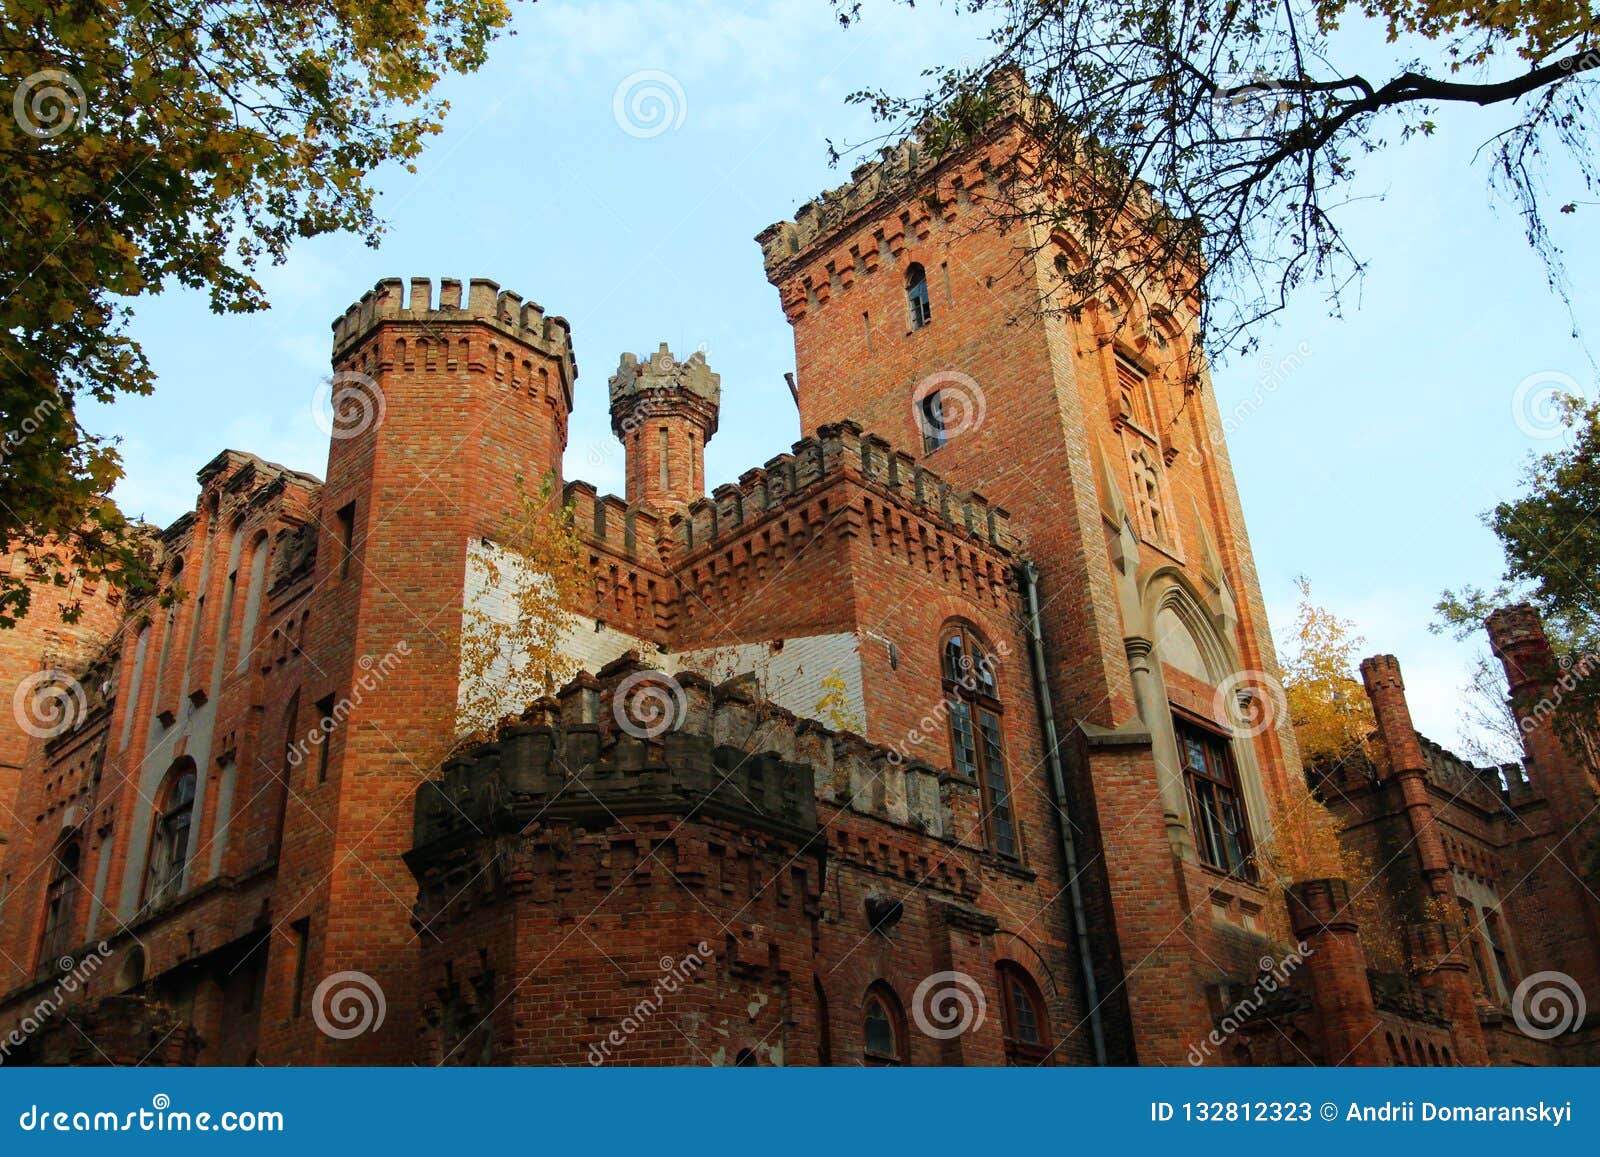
61	903
300	931
1496	934
1147	491
325	722
1133	393
977	749
661	444
917	296
930	416
1216	809
883	1028
346	520
170	838
1027	1027
1474	937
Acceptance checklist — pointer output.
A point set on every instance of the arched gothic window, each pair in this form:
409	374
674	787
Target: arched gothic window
61	901
171	836
883	1027
1027	1024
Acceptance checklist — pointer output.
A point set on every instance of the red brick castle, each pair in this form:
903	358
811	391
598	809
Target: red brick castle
948	737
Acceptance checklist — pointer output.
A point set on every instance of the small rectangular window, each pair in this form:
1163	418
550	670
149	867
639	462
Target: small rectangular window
346	521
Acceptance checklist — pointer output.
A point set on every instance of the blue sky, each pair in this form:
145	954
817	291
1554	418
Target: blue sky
1364	467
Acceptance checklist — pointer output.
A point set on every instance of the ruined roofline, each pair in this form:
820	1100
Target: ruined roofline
641	741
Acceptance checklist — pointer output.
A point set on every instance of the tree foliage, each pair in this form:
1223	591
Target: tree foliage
1226	135
1550	536
1328	706
513	634
163	143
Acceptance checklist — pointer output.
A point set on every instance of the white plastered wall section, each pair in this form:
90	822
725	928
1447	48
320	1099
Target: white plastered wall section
790	672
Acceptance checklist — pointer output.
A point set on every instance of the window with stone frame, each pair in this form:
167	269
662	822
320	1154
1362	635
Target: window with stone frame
60	906
1216	806
171	835
977	747
1025	1018
883	1026
1149	497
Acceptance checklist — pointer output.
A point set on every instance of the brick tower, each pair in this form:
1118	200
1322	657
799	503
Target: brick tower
665	411
916	317
440	407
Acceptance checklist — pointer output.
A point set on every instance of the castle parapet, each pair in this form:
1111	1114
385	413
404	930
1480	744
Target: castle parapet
633	740
840	449
485	302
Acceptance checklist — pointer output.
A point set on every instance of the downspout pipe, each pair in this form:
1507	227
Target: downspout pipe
1058	785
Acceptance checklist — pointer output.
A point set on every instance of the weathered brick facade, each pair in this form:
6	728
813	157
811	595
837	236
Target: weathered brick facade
931	693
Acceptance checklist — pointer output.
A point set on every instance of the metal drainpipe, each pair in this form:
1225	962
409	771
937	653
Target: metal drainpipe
1069	849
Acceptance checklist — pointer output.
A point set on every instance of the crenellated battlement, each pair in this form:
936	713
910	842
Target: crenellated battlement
628	529
633	740
484	302
840	449
900	170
